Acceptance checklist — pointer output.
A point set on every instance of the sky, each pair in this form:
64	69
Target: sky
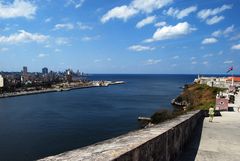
127	36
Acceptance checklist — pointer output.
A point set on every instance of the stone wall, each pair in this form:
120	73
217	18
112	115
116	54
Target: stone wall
163	142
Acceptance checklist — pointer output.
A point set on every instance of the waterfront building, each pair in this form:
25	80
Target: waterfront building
220	82
1	81
235	80
45	70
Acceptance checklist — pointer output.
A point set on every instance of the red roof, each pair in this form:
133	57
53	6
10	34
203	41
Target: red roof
236	79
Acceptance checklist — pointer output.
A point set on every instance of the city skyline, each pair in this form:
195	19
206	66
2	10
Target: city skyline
44	70
155	37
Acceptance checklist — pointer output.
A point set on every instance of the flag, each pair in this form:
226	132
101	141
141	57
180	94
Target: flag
230	69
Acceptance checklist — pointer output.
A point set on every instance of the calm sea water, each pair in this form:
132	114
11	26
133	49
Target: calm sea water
36	126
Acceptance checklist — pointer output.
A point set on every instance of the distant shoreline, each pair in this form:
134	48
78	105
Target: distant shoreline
50	90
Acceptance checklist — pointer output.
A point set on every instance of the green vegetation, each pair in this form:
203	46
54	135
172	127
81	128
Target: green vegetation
197	97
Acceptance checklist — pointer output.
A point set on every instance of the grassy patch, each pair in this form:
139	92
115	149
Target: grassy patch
199	96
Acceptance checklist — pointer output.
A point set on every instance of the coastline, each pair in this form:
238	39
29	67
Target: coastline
50	90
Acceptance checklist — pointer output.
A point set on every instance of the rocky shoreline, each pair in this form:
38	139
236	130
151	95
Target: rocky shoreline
193	97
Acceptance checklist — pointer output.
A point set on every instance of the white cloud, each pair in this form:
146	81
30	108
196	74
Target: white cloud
136	6
122	12
217	33
235	37
4	49
173	65
79	4
153	61
18	8
102	60
176	57
47	46
146	21
209	41
205	13
220	53
185	12
42	55
214	20
86	38
139	48
160	24
75	3
171	32
171	12
49	19
97	60
225	32
207	55
57	50
82	26
23	36
228	30
90	38
193	62
62	41
236	47
70	26
180	14
205	62
228	62
66	26
193	58
149	6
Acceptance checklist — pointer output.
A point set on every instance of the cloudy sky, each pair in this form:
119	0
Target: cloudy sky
127	36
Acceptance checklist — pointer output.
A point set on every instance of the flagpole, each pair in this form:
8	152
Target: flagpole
230	70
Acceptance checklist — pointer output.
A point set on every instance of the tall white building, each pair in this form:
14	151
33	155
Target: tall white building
1	81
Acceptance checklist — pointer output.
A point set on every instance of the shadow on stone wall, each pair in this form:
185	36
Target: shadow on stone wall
162	142
191	148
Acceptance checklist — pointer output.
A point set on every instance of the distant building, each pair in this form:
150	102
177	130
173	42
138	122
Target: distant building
44	70
213	81
25	70
69	73
232	89
25	76
233	79
52	76
1	81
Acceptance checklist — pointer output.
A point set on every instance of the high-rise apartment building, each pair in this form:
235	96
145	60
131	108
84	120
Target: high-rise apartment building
44	70
25	71
1	81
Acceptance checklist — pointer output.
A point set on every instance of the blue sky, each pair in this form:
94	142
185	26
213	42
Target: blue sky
127	36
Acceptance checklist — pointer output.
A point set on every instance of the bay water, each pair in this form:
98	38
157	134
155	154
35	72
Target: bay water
36	126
